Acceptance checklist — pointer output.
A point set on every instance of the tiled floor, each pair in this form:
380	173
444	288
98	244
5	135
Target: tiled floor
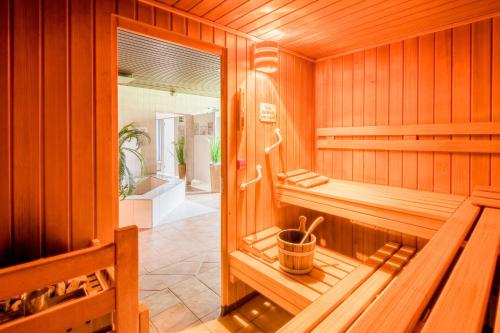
180	278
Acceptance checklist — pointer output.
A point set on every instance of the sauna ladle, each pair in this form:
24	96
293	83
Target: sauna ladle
302	223
312	227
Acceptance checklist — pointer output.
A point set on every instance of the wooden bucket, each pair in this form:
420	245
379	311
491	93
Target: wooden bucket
295	258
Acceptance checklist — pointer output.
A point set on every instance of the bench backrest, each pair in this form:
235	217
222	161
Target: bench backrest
122	299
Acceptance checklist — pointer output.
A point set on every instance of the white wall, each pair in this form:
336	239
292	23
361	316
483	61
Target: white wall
140	105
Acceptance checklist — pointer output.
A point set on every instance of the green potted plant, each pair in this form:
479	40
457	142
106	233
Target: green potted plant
215	157
129	135
179	153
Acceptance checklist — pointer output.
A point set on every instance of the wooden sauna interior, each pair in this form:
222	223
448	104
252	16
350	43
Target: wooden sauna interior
396	102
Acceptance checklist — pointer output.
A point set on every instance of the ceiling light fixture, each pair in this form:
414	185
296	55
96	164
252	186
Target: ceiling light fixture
266	56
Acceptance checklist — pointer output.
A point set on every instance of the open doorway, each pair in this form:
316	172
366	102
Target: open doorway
169	116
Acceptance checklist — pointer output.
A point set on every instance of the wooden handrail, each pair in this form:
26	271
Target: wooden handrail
40	273
450	146
483	128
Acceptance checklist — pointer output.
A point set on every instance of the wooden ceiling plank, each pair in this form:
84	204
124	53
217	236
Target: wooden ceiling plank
204	7
222	9
413	21
248	25
338	9
303	12
383	35
256	6
375	13
186	4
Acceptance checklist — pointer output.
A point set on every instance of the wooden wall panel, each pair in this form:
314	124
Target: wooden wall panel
438	78
5	134
449	76
82	123
61	173
27	145
56	124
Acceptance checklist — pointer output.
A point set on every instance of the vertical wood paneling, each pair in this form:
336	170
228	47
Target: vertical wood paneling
451	76
337	112
495	95
382	112
425	107
480	96
82	124
5	135
369	110
438	78
460	172
396	110
27	111
56	127
410	97
357	109
442	107
106	165
145	13
347	71
250	140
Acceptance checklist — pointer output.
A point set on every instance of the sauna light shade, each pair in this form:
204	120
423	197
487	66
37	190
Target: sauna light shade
266	56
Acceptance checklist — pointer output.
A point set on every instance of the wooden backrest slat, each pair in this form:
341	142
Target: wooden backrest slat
400	307
40	273
65	315
127	279
462	303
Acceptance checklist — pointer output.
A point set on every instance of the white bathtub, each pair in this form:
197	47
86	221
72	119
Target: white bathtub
153	199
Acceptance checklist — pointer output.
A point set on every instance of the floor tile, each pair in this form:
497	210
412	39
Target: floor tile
180	268
210	277
203	303
159	282
188	288
160	301
174	319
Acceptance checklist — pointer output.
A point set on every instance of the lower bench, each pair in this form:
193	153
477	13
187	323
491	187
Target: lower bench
334	276
460	282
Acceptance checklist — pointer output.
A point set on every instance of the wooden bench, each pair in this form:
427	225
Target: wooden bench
120	259
459	287
334	275
408	211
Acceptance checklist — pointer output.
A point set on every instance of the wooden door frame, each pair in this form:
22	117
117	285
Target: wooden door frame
119	22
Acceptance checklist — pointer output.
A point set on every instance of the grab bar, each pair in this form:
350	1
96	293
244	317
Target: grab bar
267	150
243	186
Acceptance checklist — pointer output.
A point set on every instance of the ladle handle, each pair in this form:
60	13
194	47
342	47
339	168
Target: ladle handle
302	223
312	227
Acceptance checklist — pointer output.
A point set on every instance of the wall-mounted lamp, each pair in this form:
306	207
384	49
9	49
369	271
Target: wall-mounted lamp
266	56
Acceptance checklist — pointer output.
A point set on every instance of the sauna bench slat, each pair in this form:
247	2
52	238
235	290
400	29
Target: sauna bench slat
332	271
412	212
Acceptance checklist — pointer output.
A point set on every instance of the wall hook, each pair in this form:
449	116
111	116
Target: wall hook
276	144
243	186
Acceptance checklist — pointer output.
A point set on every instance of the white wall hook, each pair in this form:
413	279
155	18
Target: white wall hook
243	186
267	150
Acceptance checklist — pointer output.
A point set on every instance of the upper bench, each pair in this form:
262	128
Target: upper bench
412	212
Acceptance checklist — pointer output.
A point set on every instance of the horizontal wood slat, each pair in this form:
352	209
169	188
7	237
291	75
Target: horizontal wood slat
462	303
484	128
64	316
311	316
17	279
400	307
455	146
